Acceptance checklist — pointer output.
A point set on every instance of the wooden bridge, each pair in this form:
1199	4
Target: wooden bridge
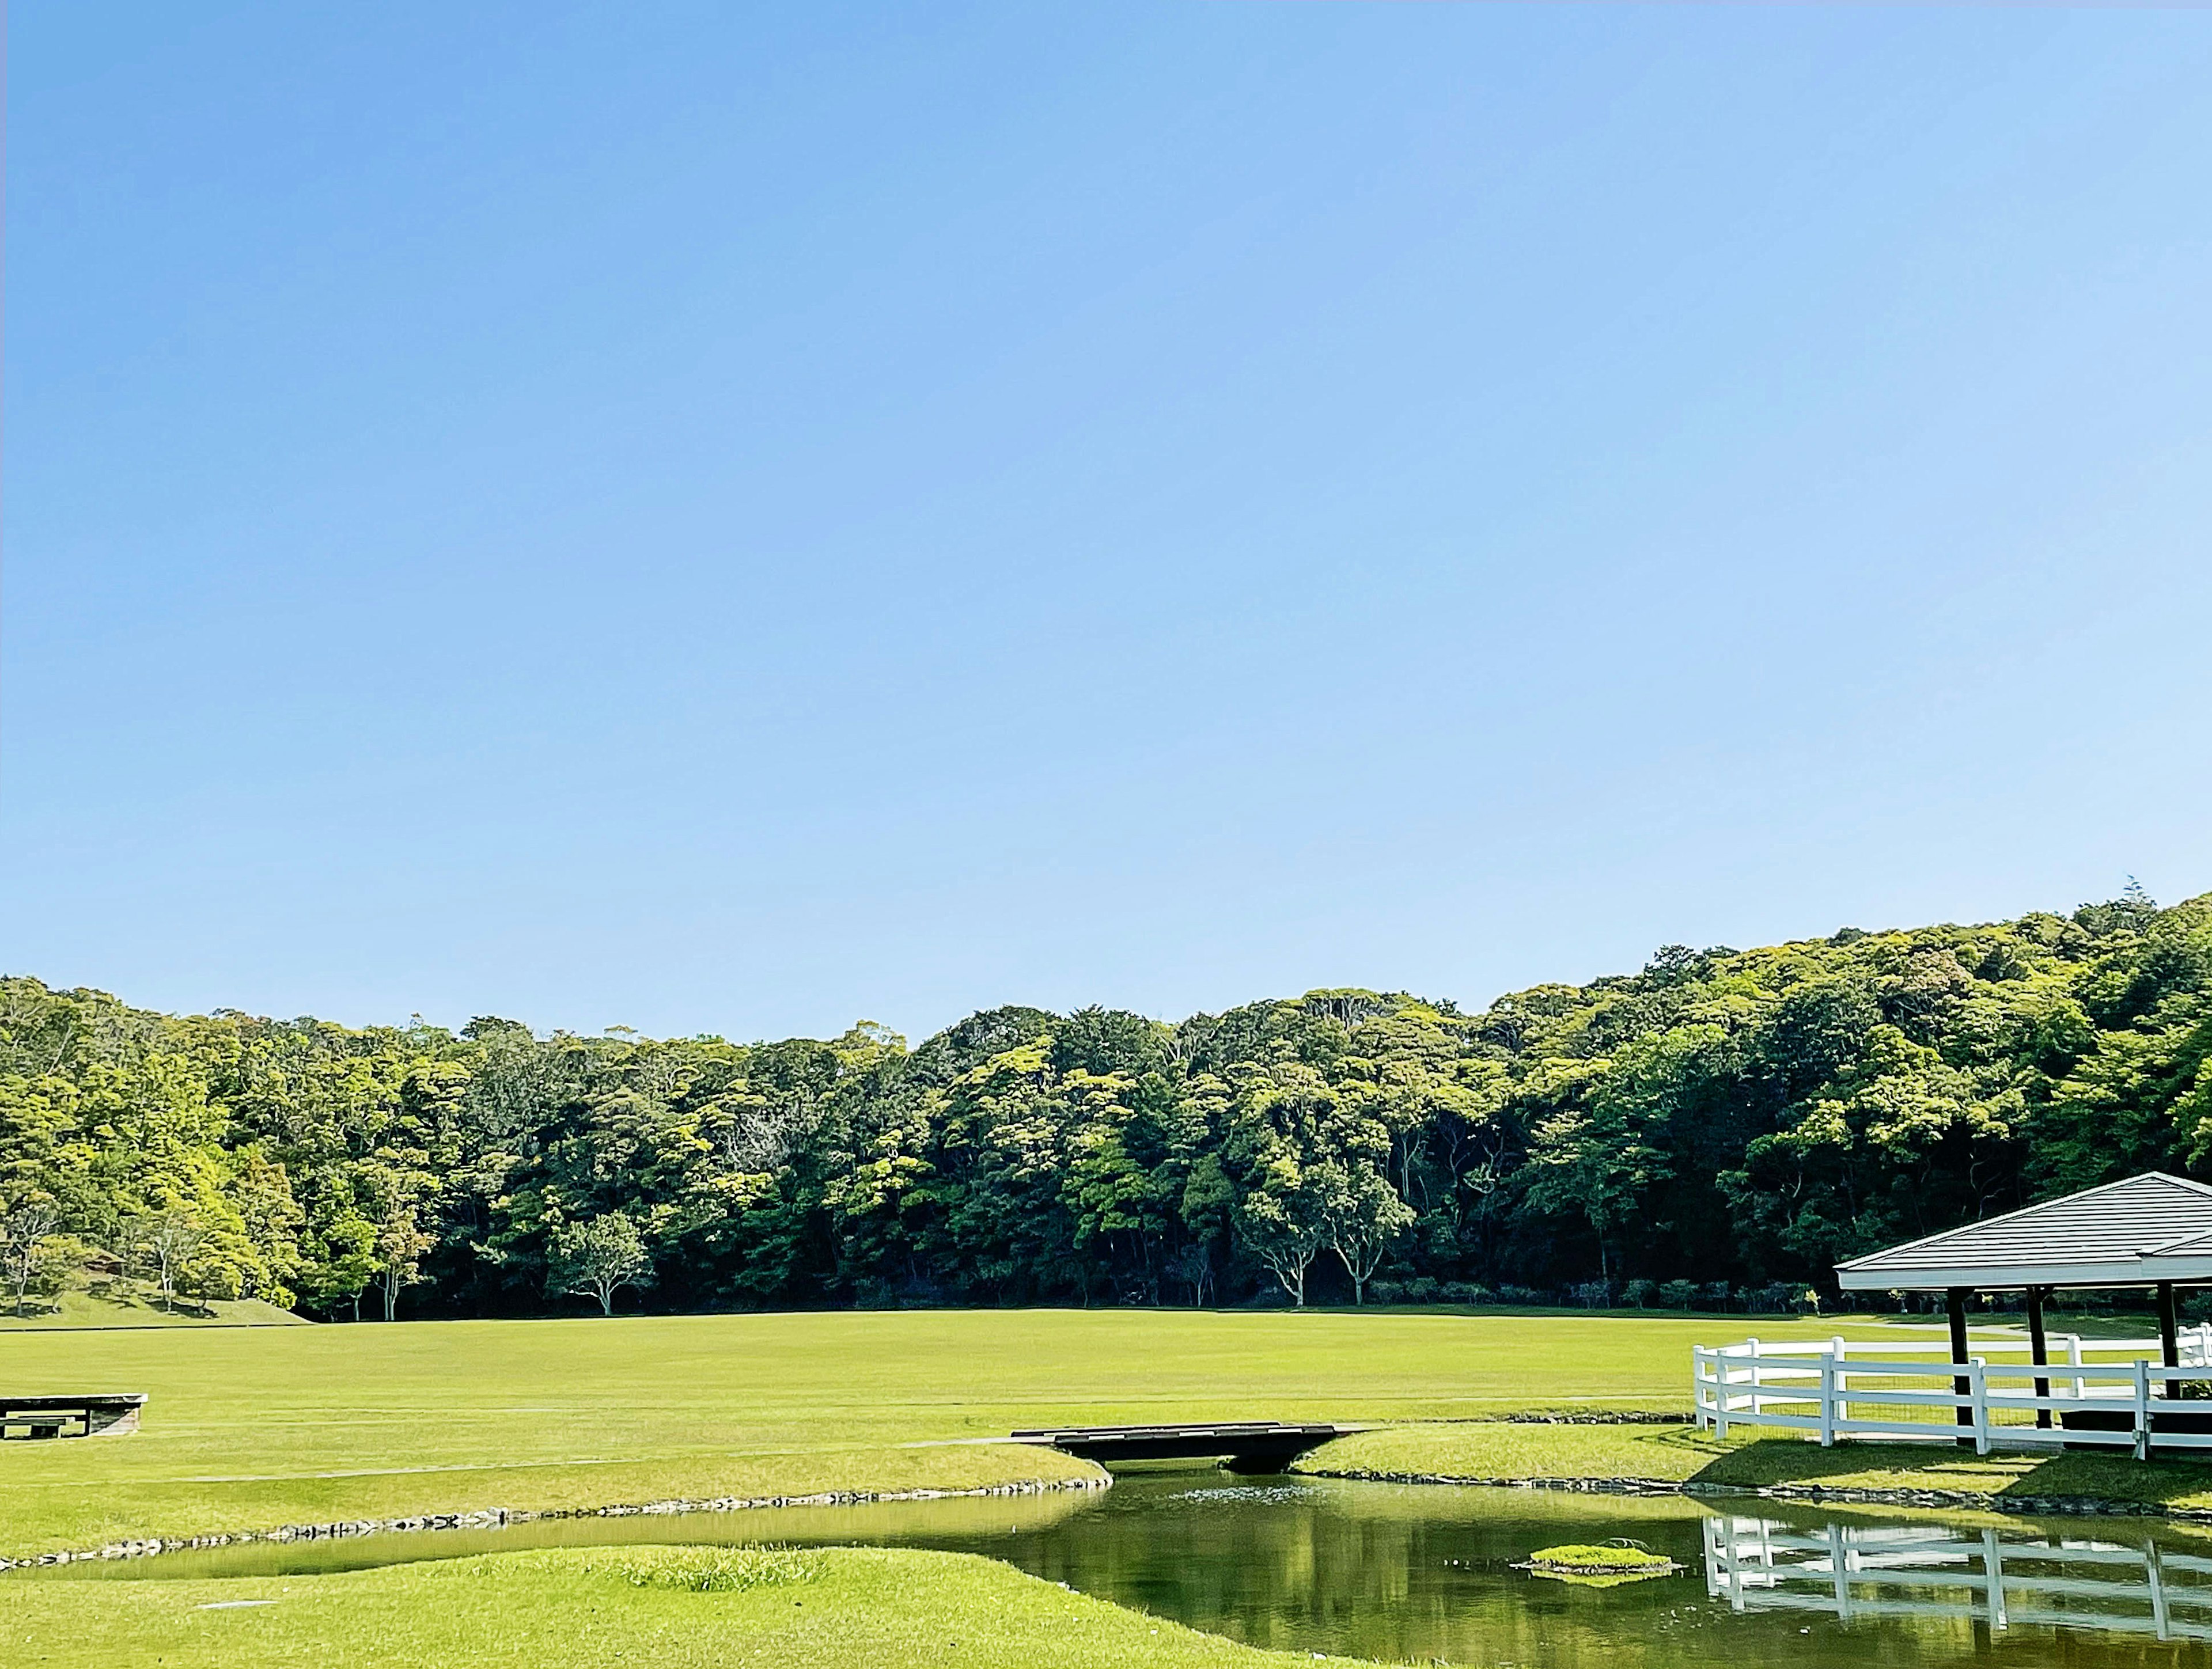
101	1416
1245	1445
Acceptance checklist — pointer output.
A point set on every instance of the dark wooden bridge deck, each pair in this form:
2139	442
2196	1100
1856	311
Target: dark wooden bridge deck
1246	1445
97	1416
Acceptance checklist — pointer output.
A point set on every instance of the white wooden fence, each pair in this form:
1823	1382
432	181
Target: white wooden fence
1838	1388
1920	1570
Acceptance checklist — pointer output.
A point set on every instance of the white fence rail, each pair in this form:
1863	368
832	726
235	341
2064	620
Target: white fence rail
1929	1571
1838	1389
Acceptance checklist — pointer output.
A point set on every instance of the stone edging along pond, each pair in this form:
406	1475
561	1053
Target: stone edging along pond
493	1517
1946	1500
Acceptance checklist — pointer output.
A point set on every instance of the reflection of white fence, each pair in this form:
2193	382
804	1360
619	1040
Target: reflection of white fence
1835	1387
1917	1570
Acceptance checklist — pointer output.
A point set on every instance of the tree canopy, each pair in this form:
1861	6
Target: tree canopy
1722	1120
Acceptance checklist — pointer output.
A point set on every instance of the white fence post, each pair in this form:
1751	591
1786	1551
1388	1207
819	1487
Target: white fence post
1978	1387
2143	1409
2074	1360
1843	1380
1993	1575
1827	1402
2155	1577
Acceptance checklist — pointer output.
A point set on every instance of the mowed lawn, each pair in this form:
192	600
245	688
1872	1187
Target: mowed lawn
1491	1452
670	1608
255	1427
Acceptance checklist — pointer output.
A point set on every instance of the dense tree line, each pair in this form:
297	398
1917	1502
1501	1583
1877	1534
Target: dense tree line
1721	1122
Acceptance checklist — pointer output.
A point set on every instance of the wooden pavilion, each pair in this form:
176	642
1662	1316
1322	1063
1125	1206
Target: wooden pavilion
2152	1231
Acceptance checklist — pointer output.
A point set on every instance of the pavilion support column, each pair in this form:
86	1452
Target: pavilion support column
2169	1336
1954	1302
2038	1349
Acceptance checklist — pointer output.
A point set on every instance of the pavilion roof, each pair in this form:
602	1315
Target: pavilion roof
2146	1229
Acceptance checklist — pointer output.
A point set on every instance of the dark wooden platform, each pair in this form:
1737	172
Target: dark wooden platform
1245	1445
103	1415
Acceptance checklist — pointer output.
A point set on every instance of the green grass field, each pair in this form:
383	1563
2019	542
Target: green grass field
250	1428
671	1608
1679	1454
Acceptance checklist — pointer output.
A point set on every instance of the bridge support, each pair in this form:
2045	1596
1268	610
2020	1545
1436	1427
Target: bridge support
1244	1446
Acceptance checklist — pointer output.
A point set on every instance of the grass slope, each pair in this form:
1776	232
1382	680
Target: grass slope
252	1429
668	1607
1473	1452
77	1309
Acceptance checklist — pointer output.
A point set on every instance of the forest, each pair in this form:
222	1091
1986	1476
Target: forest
1714	1130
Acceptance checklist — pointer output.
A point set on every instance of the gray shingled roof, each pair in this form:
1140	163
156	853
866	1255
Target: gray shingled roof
2149	1227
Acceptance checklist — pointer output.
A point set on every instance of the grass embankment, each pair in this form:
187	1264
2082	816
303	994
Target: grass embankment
77	1309
668	1607
1478	1453
250	1429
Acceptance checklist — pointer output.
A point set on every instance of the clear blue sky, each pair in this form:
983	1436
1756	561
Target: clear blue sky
733	519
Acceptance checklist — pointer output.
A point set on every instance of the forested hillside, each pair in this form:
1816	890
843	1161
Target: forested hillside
1725	1120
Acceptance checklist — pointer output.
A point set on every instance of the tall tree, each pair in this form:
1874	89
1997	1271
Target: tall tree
599	1258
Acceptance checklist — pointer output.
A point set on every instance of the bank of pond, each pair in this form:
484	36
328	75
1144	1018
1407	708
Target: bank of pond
1416	1574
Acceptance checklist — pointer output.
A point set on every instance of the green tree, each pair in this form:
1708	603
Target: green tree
1277	1147
1586	1156
401	1240
30	1243
170	1245
338	1261
1362	1214
599	1258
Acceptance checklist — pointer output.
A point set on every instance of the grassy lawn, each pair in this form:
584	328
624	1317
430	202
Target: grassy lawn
667	1607
1679	1453
252	1428
1495	1450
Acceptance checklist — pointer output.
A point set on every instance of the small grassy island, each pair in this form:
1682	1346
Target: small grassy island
1590	1565
1585	1559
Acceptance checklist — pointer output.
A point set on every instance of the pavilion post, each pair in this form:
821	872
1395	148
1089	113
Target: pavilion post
1954	1301
2039	1351
2169	1336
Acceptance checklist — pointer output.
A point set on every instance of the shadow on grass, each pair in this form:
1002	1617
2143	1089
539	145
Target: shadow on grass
1775	1461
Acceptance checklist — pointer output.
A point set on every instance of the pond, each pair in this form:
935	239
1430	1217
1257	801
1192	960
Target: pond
1420	1574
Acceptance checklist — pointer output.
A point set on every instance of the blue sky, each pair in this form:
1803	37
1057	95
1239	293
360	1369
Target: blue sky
734	519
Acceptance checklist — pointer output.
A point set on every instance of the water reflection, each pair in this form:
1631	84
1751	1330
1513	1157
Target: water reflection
2003	1578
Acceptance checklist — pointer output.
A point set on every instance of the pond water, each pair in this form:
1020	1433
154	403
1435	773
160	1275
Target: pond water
1421	1574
